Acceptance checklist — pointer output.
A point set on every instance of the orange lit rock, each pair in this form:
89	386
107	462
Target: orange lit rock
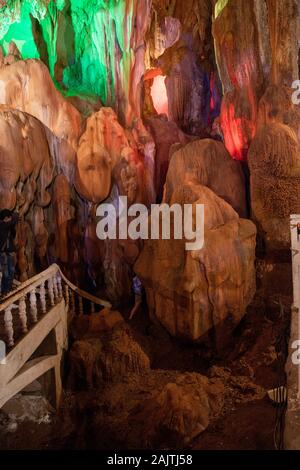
276	105
27	86
165	134
193	293
208	163
106	359
92	326
182	410
103	146
63	213
24	152
274	162
241	71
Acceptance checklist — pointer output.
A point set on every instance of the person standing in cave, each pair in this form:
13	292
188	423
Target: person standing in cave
138	296
8	222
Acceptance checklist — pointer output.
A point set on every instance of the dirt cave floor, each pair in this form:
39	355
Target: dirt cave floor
253	364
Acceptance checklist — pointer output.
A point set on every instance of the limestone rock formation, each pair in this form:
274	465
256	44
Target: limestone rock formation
283	24
208	162
104	147
24	159
195	293
29	183
276	105
107	154
238	121
165	134
100	148
63	213
181	410
256	45
188	63
235	28
274	162
27	86
106	356
94	325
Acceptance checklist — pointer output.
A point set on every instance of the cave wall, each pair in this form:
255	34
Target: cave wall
257	46
81	84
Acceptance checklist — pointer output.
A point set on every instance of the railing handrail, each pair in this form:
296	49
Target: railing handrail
84	294
36	280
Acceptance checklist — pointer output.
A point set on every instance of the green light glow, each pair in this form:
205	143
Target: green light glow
20	31
220	5
84	42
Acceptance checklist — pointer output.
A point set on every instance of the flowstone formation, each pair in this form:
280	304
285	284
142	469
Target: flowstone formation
90	48
201	294
162	102
95	76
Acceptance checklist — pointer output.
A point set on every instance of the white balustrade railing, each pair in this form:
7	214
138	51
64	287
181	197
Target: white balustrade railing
33	298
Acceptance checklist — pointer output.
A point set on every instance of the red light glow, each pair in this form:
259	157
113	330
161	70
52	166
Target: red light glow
238	122
159	95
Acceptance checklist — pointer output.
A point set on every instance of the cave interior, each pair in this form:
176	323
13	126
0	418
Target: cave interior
182	102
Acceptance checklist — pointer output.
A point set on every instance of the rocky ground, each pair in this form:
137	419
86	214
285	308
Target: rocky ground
137	387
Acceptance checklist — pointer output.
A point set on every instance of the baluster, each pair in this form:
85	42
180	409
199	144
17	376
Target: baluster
33	307
92	307
73	306
51	291
80	302
9	328
67	296
59	285
22	314
42	292
55	289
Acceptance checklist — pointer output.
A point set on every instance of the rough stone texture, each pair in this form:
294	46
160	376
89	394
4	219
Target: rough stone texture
284	26
274	162
237	44
154	409
45	200
256	44
92	326
166	134
238	121
94	49
105	358
41	166
180	43
99	149
24	158
194	293
56	166
241	71
208	162
180	411
276	105
27	86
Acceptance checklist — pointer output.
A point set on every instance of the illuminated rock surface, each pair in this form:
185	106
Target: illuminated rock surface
193	293
174	101
274	160
207	162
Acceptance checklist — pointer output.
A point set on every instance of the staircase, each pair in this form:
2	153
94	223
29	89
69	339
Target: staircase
34	322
